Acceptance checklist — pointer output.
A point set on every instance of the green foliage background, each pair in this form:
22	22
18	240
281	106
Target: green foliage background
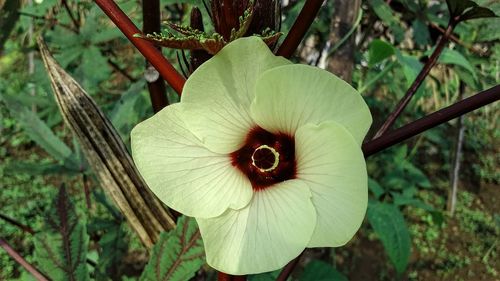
407	234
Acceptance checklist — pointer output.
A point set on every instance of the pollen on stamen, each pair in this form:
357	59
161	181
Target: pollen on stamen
266	158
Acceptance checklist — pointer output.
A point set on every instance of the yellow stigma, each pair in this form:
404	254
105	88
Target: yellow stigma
275	154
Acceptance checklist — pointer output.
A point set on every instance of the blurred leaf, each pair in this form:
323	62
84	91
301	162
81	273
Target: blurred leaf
375	188
385	13
457	7
421	32
321	271
378	51
113	248
389	224
411	66
477	13
38	131
449	56
61	249
266	276
178	254
37	168
8	19
124	114
402	200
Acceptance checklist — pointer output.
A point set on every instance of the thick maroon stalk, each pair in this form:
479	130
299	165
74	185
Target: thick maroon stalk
221	276
299	28
152	23
166	70
418	81
19	259
453	111
288	269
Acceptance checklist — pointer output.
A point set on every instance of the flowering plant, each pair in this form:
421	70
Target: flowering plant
265	154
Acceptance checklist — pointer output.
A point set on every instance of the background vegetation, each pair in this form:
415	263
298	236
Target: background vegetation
409	232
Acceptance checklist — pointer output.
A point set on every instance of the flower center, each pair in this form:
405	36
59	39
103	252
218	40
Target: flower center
266	158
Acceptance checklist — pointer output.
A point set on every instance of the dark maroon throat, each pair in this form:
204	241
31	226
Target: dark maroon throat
266	158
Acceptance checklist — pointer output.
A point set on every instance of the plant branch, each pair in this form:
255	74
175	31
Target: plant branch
19	259
155	57
19	225
299	28
418	81
71	16
221	276
288	269
432	120
151	24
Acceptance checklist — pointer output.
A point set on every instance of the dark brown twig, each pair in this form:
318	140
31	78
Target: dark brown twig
19	225
151	24
299	28
418	81
453	111
121	71
71	16
166	70
19	259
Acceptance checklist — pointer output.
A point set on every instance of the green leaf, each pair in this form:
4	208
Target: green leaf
477	13
8	19
266	276
421	32
61	249
177	255
37	130
375	188
385	13
321	271
389	224
457	7
113	248
449	56
378	51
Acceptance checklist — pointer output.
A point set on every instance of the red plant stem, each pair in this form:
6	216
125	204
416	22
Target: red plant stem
432	120
418	81
152	23
19	259
299	28
166	70
221	276
288	269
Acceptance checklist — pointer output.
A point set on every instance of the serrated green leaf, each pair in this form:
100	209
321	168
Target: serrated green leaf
177	255
61	249
378	51
389	224
321	271
37	130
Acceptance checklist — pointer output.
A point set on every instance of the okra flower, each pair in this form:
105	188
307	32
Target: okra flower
265	154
